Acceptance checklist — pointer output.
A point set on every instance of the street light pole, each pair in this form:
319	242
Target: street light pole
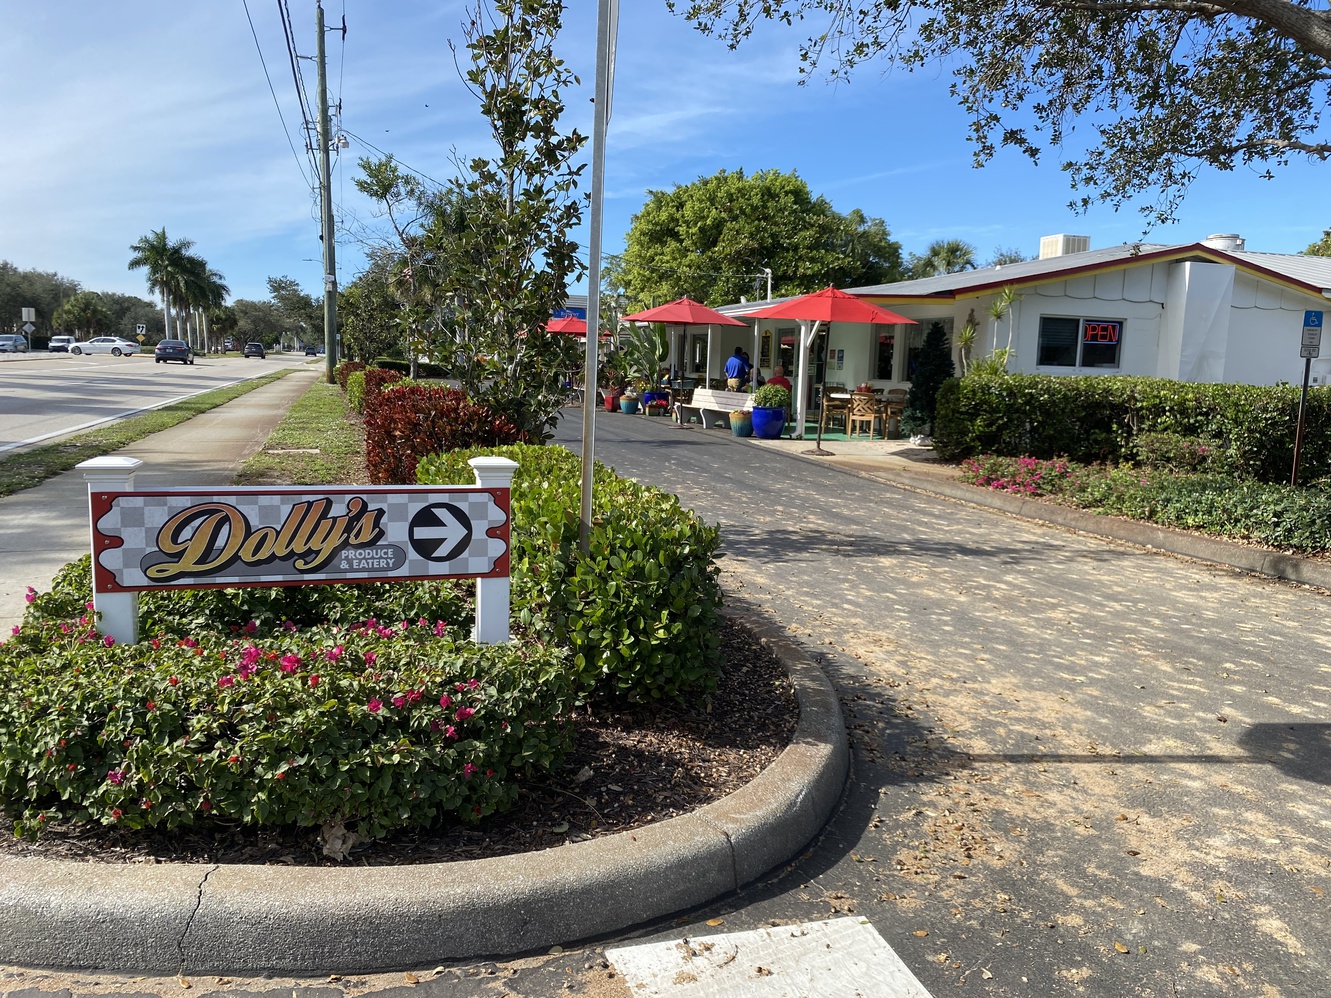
326	183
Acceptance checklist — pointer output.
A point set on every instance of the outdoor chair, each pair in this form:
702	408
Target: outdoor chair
891	408
863	413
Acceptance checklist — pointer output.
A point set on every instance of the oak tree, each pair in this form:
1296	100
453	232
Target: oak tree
1164	87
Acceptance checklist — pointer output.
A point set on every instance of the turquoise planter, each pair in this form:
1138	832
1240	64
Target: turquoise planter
741	426
628	405
768	421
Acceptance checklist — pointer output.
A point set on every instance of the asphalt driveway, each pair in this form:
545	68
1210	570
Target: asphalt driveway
1080	767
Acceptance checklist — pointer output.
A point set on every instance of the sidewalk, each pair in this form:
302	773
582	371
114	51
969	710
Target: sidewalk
46	527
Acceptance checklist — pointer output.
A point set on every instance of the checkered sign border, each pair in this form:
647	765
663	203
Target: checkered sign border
426	532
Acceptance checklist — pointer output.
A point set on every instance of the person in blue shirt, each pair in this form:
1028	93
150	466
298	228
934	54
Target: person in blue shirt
736	370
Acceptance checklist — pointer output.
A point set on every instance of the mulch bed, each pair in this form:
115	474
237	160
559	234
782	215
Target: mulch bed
631	767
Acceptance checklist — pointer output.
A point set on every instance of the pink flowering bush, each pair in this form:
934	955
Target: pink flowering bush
382	725
1019	475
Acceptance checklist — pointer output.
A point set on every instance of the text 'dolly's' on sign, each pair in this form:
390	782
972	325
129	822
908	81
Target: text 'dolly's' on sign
196	538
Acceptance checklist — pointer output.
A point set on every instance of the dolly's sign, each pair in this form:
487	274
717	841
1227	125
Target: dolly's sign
197	538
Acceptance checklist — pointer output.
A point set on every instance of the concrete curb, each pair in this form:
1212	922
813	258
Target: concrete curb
268	919
1245	557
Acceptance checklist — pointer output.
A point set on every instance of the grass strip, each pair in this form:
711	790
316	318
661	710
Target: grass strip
318	442
28	468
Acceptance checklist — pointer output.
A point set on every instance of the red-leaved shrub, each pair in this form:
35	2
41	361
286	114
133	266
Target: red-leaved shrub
407	423
376	380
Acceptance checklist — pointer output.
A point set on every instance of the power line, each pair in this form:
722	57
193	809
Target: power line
289	35
370	145
287	131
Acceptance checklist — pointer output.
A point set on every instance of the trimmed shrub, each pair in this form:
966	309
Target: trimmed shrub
355	389
772	396
345	370
383	726
640	612
376	380
1092	419
409	422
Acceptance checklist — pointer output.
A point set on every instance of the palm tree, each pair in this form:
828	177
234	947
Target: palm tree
948	256
164	261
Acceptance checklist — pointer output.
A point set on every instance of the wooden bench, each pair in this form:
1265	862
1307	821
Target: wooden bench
711	407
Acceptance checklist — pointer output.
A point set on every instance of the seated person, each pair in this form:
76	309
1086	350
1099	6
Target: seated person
779	377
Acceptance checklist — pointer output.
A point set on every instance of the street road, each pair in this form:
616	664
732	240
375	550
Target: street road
43	396
1080	768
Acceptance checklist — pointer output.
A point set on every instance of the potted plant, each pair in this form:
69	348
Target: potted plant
628	402
657	406
741	422
611	383
769	411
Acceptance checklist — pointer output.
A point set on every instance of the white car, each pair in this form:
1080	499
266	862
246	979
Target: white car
113	345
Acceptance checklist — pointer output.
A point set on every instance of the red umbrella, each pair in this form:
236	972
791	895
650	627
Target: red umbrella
829	305
684	312
570	324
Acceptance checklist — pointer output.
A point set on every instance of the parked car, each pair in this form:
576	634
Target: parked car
113	345
173	350
254	350
13	344
60	344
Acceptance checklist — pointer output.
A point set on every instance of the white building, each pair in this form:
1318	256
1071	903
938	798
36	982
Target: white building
1208	311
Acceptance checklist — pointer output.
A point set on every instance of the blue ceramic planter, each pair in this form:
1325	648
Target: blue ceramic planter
768	421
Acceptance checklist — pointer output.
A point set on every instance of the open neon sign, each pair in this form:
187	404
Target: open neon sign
1101	332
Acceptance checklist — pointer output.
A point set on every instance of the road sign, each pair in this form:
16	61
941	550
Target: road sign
1311	343
29	328
29	315
140	329
140	337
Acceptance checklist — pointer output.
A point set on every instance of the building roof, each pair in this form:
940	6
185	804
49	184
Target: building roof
1308	274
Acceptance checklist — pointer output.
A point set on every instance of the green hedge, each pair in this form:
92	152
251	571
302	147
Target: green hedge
1090	419
640	613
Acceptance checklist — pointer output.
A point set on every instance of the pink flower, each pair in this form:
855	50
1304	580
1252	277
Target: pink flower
468	770
445	701
290	663
226	681
371	658
414	696
399	702
15	630
31	594
289	626
472	684
116	814
250	655
245	671
375	705
108	641
115	777
172	680
87	606
439	628
451	732
333	654
154	644
151	705
464	713
314	680
250	627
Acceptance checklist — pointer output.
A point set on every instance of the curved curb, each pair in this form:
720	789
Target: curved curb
238	919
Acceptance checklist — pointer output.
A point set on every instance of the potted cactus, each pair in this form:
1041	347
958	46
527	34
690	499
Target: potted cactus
769	411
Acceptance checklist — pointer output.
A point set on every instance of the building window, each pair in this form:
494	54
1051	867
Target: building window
915	344
887	341
1080	343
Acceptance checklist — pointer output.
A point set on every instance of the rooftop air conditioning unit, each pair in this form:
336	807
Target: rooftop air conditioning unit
1062	245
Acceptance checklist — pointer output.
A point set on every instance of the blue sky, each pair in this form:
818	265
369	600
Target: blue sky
119	118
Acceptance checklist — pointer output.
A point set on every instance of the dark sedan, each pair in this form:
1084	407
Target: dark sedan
254	350
173	350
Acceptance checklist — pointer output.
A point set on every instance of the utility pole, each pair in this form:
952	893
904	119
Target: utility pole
330	254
